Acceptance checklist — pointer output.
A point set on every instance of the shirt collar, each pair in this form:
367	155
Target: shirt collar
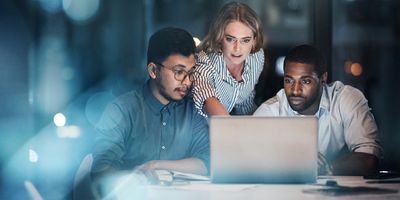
324	105
151	100
224	68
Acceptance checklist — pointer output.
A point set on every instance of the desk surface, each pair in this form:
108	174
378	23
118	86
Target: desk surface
348	187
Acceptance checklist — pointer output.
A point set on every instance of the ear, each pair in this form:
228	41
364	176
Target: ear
324	78
151	69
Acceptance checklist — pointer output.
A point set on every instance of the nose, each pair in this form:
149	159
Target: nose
237	45
296	88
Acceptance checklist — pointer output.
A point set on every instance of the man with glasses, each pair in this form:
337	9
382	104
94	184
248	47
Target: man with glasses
156	127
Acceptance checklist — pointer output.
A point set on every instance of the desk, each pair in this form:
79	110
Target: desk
359	189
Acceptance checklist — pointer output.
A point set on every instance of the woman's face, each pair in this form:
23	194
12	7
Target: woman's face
237	43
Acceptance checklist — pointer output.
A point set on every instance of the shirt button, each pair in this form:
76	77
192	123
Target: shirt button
163	147
164	123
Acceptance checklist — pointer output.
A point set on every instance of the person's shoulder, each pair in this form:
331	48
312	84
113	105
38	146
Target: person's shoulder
206	60
276	100
343	91
258	55
268	108
130	98
272	106
271	101
206	57
256	60
345	95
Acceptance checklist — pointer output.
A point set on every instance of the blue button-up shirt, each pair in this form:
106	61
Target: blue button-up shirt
136	128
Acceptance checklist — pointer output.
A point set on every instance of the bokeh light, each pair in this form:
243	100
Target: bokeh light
196	41
68	132
59	119
81	10
51	6
33	156
356	69
279	65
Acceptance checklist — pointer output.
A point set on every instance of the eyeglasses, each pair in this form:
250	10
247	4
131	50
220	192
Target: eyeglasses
181	74
243	41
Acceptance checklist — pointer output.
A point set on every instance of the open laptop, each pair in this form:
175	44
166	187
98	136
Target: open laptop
252	149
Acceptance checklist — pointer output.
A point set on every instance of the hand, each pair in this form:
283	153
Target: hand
324	167
148	166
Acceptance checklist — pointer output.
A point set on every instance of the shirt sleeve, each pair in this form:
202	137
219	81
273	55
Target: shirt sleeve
268	108
360	129
204	86
110	146
247	107
200	146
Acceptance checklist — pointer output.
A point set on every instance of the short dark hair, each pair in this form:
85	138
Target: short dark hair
169	41
307	54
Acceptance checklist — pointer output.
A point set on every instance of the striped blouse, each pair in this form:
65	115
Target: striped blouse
215	81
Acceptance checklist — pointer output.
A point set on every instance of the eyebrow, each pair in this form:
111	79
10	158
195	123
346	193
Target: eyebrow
180	66
301	77
246	37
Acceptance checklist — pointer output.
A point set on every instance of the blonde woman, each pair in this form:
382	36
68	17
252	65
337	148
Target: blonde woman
230	61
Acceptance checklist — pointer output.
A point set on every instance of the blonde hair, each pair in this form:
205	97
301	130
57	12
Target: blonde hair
230	12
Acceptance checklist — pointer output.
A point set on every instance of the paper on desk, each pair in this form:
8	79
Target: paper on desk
188	176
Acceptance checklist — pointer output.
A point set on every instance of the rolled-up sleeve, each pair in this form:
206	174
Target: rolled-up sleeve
361	131
204	86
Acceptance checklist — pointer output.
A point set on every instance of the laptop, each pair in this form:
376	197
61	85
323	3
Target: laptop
253	149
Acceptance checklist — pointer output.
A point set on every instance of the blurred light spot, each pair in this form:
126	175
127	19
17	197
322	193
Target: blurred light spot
33	192
279	65
356	69
68	132
52	58
51	6
33	156
81	10
274	14
59	119
196	41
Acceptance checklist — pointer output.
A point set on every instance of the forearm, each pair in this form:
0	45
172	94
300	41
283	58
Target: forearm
356	163
213	107
188	165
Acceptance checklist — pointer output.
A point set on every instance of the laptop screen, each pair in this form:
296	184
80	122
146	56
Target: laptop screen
250	149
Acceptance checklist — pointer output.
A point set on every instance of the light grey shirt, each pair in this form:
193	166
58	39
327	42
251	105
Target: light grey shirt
216	81
344	117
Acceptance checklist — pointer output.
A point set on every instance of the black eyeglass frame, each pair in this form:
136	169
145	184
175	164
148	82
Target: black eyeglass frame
181	74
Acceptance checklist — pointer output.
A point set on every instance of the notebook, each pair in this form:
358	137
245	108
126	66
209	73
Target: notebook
253	149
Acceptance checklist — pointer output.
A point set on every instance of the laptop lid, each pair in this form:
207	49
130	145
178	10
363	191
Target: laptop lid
253	149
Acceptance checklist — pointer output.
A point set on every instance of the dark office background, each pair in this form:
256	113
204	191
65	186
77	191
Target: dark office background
72	56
